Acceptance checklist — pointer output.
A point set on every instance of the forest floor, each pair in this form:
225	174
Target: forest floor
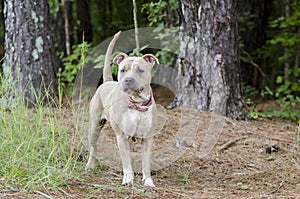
218	158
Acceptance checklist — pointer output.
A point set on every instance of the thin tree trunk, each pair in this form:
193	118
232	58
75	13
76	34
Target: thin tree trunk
85	23
209	58
58	28
287	13
29	63
136	28
1	28
66	27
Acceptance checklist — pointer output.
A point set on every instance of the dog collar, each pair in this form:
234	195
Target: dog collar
140	106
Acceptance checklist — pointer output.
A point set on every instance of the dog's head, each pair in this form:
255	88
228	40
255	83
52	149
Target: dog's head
135	72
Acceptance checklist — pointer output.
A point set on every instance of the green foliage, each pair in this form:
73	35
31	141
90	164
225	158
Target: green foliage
287	98
37	149
245	21
287	88
54	6
288	37
284	40
155	11
72	65
280	51
159	18
249	93
255	114
99	63
289	108
135	51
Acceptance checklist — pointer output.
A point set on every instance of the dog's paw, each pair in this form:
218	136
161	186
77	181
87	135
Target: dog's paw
149	182
127	178
90	164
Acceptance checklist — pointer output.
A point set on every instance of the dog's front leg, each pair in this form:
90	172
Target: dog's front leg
146	161
124	149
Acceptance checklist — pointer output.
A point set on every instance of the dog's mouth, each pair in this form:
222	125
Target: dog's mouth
131	85
133	89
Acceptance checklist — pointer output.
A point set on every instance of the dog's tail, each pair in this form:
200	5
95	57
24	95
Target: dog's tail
107	75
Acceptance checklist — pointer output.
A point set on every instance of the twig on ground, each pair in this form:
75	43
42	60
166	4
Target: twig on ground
296	164
277	189
43	194
230	143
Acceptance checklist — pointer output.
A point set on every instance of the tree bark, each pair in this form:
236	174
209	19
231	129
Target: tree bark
209	58
29	63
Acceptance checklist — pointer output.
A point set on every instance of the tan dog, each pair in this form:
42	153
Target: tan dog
130	108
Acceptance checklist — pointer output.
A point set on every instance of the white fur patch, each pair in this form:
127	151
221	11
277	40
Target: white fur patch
136	124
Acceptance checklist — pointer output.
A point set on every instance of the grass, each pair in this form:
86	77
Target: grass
39	147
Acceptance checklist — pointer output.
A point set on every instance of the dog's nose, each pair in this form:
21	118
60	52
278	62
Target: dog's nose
129	80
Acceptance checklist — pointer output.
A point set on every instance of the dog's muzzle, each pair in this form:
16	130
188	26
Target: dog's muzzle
129	84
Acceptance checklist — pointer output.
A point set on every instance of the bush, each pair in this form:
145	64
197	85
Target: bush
287	97
72	64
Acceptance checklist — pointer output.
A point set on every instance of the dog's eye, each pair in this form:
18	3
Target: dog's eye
122	70
140	71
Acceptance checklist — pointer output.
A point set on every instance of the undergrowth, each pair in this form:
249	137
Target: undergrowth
286	96
39	146
72	64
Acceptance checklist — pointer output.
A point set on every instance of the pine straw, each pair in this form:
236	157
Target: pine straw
238	166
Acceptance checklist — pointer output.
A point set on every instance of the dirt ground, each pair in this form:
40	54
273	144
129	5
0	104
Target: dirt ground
202	155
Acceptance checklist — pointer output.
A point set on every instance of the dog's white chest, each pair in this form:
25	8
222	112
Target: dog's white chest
136	123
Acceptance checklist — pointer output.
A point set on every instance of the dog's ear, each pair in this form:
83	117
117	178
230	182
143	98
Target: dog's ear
150	59
119	58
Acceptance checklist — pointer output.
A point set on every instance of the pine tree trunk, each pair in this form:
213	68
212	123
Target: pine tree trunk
29	63
209	58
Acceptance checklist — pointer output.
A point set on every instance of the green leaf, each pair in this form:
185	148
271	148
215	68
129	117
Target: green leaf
279	79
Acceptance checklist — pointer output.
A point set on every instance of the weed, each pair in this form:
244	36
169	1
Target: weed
38	145
184	176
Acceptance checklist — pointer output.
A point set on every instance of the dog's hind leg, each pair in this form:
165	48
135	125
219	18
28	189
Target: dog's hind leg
146	161
96	126
124	149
